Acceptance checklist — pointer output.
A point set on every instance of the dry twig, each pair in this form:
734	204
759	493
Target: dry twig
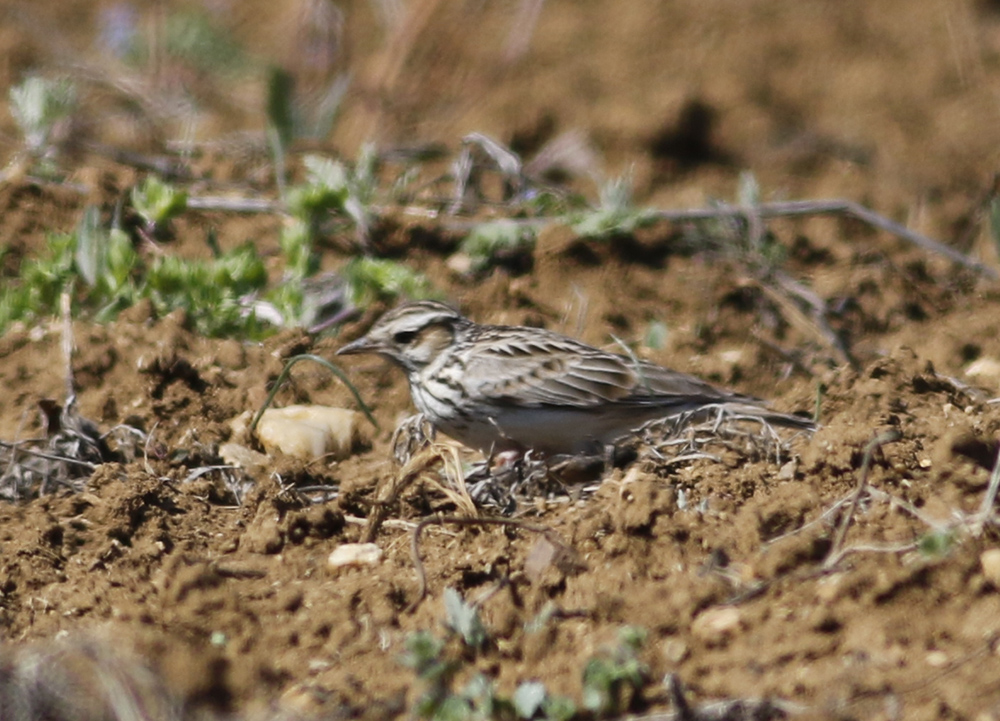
795	208
837	549
550	535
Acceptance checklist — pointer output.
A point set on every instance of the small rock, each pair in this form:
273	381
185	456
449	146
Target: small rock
937	659
674	650
235	454
990	561
355	554
306	432
716	624
459	263
985	369
787	471
731	357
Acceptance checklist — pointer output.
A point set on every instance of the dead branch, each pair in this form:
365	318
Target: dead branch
234	204
795	208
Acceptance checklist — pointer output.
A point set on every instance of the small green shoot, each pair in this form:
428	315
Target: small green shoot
38	106
994	211
744	237
497	241
656	335
157	203
610	681
463	619
297	245
615	214
106	260
334	188
937	544
330	189
373	279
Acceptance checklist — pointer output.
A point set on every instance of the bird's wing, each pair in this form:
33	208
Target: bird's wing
553	370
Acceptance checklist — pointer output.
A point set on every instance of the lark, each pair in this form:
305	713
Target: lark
498	388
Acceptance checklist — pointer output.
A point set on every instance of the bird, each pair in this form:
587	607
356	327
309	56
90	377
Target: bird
500	388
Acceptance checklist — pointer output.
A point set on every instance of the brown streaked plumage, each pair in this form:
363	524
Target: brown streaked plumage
495	387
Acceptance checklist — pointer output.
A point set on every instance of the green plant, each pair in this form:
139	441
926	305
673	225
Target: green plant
332	187
615	213
103	259
656	335
611	679
937	544
291	116
157	203
210	292
497	241
994	213
106	261
372	279
105	275
743	237
40	282
38	106
463	619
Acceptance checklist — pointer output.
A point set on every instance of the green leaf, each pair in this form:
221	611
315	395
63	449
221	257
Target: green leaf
158	202
371	279
453	708
37	104
937	544
91	246
495	239
326	173
529	698
995	222
326	189
748	193
121	257
464	619
657	334
559	708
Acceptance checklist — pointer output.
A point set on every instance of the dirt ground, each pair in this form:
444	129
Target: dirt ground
895	105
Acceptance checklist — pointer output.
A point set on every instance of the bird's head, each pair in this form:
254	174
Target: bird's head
411	335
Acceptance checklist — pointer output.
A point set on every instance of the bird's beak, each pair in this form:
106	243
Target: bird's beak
364	344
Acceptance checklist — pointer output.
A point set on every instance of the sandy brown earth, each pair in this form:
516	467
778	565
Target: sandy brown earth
733	566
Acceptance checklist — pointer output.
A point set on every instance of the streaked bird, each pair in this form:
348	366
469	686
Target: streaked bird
497	388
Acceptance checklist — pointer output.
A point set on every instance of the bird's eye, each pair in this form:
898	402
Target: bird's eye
404	337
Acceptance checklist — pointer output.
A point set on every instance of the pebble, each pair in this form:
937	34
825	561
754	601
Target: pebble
716	624
355	554
990	561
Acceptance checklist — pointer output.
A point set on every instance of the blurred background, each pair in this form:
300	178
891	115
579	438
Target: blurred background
894	104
